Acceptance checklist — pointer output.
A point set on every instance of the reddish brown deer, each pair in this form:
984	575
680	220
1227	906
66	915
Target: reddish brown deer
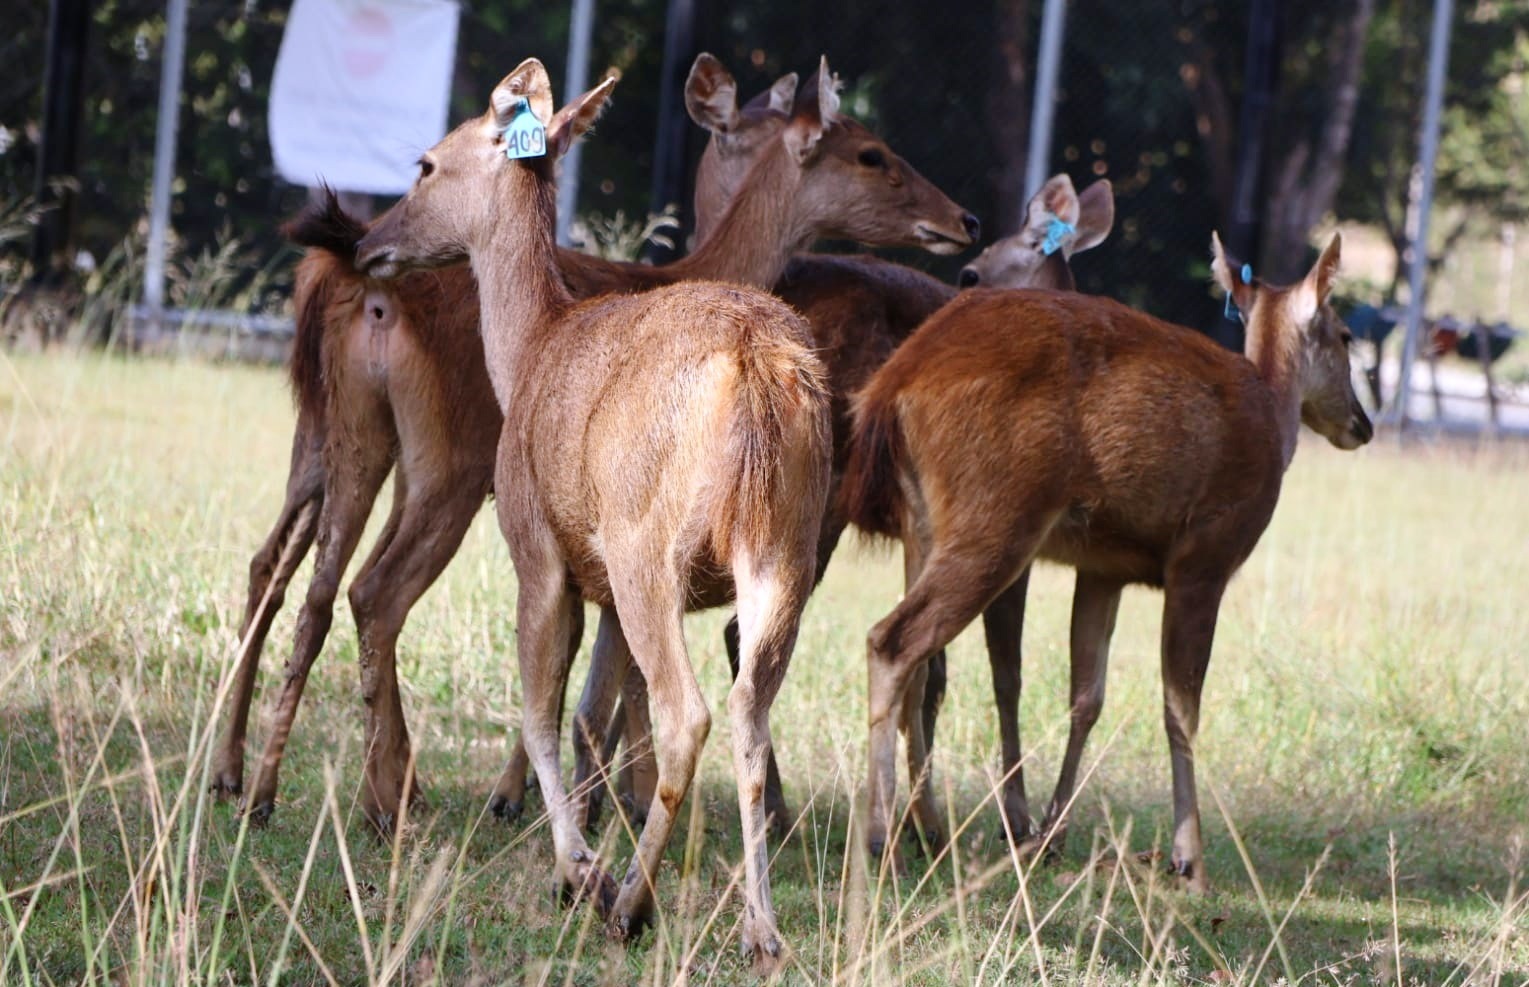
1021	424
677	458
398	368
860	308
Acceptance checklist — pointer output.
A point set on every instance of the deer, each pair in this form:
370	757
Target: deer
860	308
398	370
1016	425
608	483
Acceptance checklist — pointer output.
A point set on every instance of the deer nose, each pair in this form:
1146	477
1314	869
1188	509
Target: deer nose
968	277
972	226
1361	426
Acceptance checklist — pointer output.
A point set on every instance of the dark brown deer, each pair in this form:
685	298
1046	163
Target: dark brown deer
860	308
394	372
677	457
1021	424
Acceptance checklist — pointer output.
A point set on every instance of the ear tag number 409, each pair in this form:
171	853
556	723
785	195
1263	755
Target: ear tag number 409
525	137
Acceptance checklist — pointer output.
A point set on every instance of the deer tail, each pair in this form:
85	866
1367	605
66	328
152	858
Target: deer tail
870	496
777	449
331	234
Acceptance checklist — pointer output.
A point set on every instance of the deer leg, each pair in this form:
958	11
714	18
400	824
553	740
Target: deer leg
270	572
1003	622
509	796
429	531
650	606
608	665
954	586
776	808
1189	626
925	808
1095	602
348	501
638	775
769	612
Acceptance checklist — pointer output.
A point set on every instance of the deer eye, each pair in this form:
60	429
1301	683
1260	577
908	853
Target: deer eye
426	167
872	157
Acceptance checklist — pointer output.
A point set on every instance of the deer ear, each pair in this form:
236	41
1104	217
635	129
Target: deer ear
711	95
528	82
783	93
814	114
570	123
1325	271
1228	274
1096	216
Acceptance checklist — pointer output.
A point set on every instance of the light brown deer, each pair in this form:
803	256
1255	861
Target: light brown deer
1021	424
395	373
860	308
660	452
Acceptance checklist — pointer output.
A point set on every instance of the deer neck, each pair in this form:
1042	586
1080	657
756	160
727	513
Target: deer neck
519	288
758	231
1275	349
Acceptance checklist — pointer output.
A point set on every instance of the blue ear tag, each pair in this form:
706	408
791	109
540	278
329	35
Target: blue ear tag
525	137
1232	311
1057	230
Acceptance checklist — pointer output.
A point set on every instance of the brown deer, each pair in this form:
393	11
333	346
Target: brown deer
393	373
1021	424
860	308
677	457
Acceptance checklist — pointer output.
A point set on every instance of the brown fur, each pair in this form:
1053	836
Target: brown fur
1075	429
606	481
402	366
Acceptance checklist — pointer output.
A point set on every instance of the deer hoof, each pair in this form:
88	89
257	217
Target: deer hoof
1190	876
584	880
259	812
761	943
227	784
505	809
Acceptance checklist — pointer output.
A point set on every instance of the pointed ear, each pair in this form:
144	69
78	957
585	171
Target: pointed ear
814	114
1227	273
1325	272
1055	198
783	93
1096	216
528	82
573	120
711	95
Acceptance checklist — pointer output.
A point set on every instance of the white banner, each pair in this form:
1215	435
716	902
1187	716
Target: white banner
360	90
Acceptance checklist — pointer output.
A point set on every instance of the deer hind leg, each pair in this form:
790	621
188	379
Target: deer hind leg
1095	602
651	605
1189	626
776	809
1003	623
435	516
637	776
609	665
270	572
770	601
924	807
349	495
509	796
960	578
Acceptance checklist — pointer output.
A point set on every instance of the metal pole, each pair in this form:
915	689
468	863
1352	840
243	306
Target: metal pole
1043	116
164	162
1438	62
581	27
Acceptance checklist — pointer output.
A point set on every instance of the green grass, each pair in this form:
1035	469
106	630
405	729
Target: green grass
1363	758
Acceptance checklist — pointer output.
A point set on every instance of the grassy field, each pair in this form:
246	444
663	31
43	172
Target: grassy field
1364	758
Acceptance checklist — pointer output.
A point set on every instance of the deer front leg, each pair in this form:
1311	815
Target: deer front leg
1189	626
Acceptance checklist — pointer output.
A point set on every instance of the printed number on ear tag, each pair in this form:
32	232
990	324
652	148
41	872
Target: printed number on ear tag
525	137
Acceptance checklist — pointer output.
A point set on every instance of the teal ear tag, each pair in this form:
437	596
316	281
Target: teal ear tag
525	137
1057	231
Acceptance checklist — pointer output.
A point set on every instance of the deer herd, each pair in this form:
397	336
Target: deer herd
665	439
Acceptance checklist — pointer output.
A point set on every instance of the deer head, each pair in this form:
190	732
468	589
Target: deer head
470	190
1058	221
1296	328
844	164
737	135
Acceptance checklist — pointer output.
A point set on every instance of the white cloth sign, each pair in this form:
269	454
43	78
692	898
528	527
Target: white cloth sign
360	90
